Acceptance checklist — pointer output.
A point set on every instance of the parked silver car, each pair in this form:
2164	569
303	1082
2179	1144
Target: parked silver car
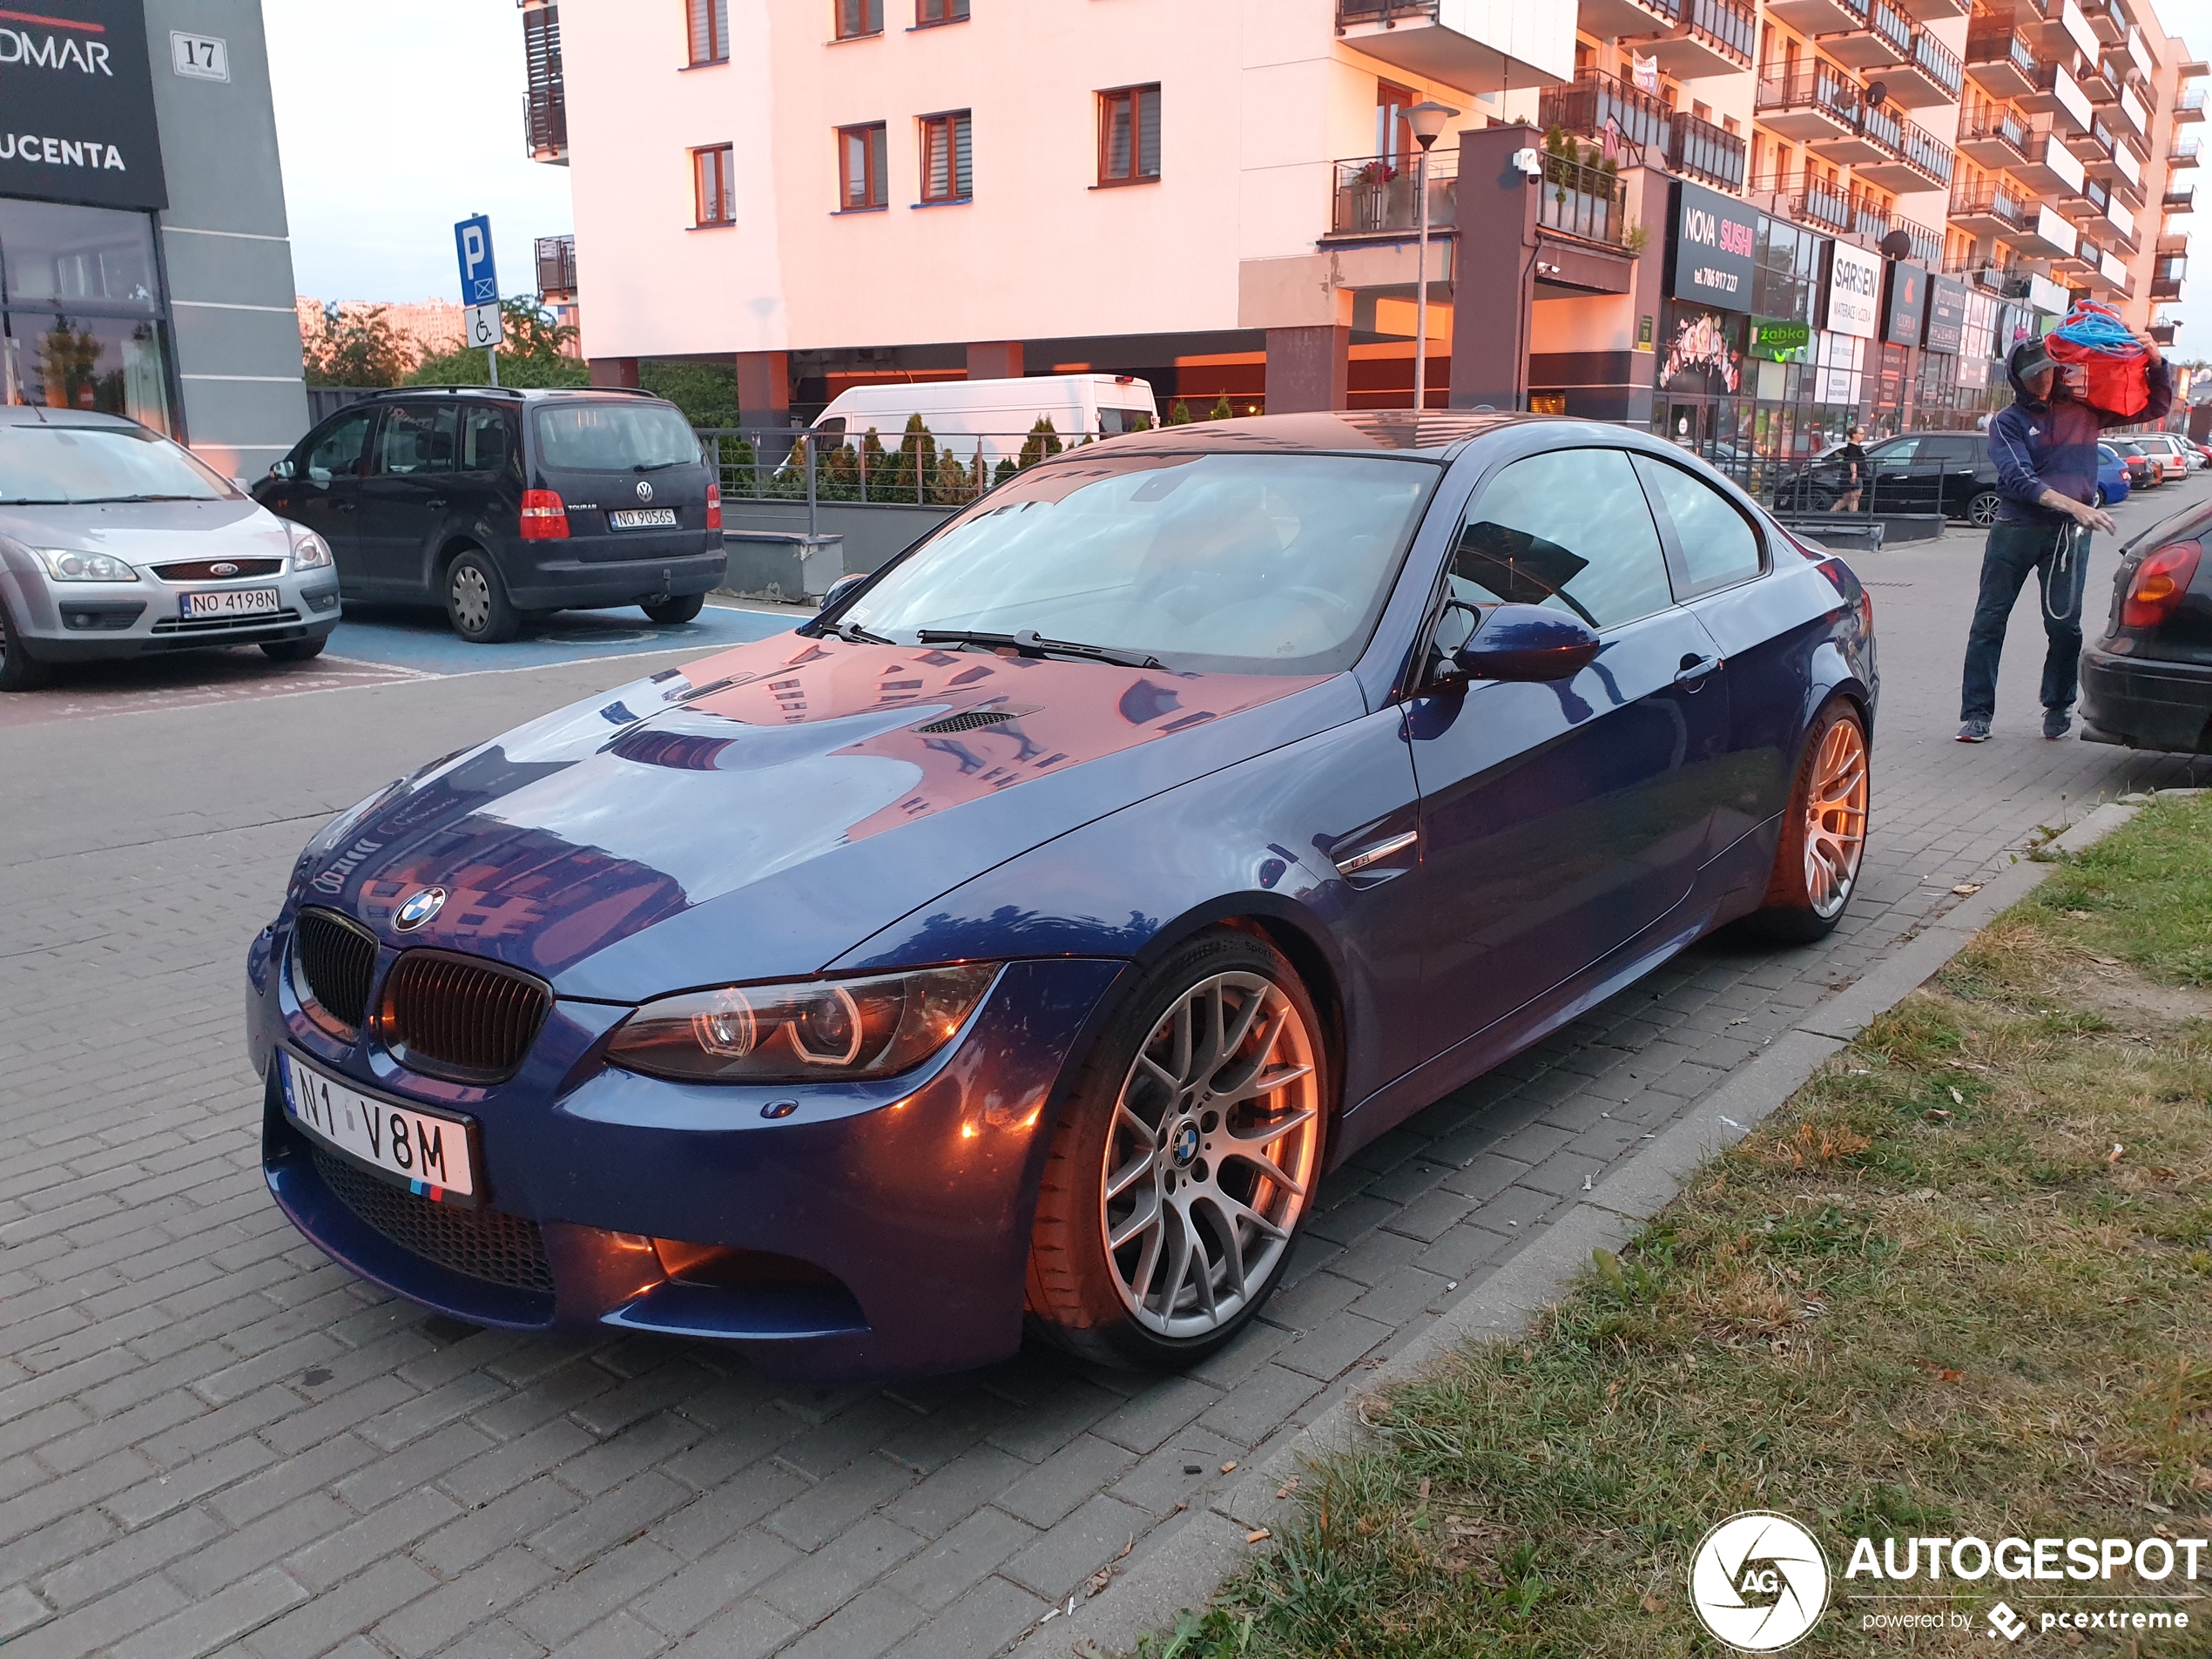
115	541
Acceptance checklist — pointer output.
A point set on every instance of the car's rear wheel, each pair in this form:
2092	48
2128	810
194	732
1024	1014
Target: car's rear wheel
1823	832
19	670
1982	510
476	601
2100	495
669	610
294	650
1185	1160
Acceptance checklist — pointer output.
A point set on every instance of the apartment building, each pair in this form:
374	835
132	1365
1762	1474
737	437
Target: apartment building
1749	224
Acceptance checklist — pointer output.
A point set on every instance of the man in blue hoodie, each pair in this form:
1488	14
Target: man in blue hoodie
2044	446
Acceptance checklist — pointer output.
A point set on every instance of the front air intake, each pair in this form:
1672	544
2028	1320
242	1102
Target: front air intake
333	961
460	1017
972	719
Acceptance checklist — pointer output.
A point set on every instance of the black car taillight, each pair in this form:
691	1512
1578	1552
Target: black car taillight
2160	581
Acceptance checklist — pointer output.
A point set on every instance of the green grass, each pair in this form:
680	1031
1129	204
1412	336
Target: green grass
1927	1297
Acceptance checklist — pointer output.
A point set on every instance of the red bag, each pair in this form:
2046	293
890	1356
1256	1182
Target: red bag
2094	337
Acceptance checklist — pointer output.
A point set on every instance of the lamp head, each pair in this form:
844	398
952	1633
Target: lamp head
1427	118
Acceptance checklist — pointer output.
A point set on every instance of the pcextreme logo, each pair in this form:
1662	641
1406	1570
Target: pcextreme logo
1758	1581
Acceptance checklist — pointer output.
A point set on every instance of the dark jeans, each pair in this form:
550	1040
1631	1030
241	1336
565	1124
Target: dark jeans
2013	551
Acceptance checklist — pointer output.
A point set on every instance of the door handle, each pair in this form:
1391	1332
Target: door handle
436	501
345	507
1693	669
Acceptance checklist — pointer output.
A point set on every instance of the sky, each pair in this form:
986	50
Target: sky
391	132
2192	21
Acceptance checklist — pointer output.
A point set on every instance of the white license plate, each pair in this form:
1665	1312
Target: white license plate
232	602
643	518
430	1153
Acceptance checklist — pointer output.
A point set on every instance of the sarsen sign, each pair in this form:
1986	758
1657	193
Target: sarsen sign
77	120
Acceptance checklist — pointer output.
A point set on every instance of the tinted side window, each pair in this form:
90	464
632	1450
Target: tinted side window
417	437
1897	453
1569	530
1962	448
487	439
337	452
1718	547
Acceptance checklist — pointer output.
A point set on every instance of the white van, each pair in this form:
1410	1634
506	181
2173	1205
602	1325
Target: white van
997	415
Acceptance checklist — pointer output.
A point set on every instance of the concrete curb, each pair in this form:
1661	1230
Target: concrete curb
1184	1570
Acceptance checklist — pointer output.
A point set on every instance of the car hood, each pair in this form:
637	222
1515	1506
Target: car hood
149	532
756	814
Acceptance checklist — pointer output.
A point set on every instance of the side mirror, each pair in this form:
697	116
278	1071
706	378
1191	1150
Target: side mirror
280	468
838	588
1527	643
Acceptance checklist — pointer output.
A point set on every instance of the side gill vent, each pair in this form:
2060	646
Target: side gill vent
976	718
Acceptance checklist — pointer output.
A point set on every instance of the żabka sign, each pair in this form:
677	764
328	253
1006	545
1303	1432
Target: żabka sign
1713	242
76	121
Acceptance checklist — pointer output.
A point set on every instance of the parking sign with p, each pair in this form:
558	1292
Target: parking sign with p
479	281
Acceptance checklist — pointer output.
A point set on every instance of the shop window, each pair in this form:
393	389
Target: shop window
947	158
85	325
860	165
856	19
1129	135
714	191
710	31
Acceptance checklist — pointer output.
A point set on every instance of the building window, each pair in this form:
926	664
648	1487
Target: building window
929	12
1129	135
859	18
709	21
715	193
948	174
860	165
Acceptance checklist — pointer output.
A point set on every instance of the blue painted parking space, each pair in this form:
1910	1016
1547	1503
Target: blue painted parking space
420	640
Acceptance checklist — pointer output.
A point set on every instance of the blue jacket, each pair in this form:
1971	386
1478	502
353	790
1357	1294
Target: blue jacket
2040	445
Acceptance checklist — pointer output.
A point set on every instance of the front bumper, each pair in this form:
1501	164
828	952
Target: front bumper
903	1206
93	621
2146	704
545	579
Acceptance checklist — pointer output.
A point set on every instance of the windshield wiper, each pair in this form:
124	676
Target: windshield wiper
655	466
853	634
103	500
1030	644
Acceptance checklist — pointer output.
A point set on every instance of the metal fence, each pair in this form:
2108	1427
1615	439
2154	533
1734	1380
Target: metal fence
916	469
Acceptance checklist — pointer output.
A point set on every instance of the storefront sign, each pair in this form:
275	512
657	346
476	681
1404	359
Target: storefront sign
1712	248
1946	326
78	105
1854	290
1644	332
1780	342
1907	304
1973	372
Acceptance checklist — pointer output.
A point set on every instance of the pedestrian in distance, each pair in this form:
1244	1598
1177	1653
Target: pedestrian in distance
2044	446
1852	460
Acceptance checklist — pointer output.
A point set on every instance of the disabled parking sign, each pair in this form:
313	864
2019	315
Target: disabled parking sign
479	280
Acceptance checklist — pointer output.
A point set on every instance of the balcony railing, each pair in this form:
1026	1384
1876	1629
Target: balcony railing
1731	24
1927	153
1810	201
1985	118
1927	245
1376	195
1595	98
1700	150
1885	127
2189	106
1891	25
2179	198
1810	86
1587	202
546	106
1995	41
2183	154
1939	63
556	267
1991	198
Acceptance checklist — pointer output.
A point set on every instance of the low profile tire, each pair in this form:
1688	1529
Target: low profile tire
2100	495
476	601
19	670
294	650
1981	511
1185	1160
669	610
1823	832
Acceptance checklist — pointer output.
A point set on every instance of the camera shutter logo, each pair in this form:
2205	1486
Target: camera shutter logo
419	908
1758	1581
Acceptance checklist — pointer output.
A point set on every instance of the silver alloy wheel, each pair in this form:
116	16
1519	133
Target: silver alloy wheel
1982	510
1212	1154
471	595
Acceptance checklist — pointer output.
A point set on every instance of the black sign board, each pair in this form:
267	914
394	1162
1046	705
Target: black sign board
77	105
1906	304
1712	244
1946	330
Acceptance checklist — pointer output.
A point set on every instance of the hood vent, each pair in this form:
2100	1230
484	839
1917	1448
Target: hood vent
974	719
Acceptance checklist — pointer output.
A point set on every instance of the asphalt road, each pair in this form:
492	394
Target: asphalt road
212	1440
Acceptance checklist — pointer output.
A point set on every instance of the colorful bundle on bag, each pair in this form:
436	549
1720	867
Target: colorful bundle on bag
2094	336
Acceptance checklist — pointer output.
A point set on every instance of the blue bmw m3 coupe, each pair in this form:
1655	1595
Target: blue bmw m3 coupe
1022	940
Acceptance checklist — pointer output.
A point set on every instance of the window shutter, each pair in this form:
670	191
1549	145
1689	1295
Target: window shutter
1148	133
963	173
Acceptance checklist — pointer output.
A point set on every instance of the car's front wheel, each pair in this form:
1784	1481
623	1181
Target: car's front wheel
1981	511
669	610
1823	832
19	670
2100	495
476	601
1185	1160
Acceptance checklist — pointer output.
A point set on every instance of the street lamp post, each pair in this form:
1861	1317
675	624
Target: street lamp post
1427	119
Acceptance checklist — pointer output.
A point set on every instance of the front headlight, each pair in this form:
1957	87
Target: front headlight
309	550
66	564
826	1031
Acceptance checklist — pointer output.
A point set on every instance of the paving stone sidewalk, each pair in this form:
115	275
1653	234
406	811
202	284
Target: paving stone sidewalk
213	1440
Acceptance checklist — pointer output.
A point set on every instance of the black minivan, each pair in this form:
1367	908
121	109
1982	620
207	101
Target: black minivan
505	505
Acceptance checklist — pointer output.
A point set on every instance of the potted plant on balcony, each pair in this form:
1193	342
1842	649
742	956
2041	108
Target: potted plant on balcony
1373	185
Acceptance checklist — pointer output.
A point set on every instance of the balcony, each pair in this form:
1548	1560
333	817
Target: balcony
1927	245
1586	202
2163	332
2189	106
557	267
2000	60
1714	38
2095	146
2057	92
2045	233
2051	169
1818	17
1628	18
1884	42
2123	226
2183	154
2173	242
1810	202
1376	195
2179	198
1595	98
2084	204
1993	133
1936	10
2166	289
1812	104
1704	152
2104	21
1930	74
2123	170
1462	44
1922	162
2135	117
1991	208
546	106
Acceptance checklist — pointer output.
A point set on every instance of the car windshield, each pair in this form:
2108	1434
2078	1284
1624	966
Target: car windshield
614	437
1230	564
52	466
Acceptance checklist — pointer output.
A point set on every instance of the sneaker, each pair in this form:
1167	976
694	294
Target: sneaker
1974	731
2057	722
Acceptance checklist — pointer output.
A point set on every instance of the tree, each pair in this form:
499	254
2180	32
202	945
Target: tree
707	393
1042	442
361	349
1221	409
531	355
1178	414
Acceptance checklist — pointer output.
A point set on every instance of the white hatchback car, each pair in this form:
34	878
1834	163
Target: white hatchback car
115	541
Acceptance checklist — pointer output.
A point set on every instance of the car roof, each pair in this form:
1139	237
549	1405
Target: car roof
1436	434
39	415
516	393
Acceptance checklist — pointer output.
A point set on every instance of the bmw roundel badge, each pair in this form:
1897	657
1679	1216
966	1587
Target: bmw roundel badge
422	905
644	489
